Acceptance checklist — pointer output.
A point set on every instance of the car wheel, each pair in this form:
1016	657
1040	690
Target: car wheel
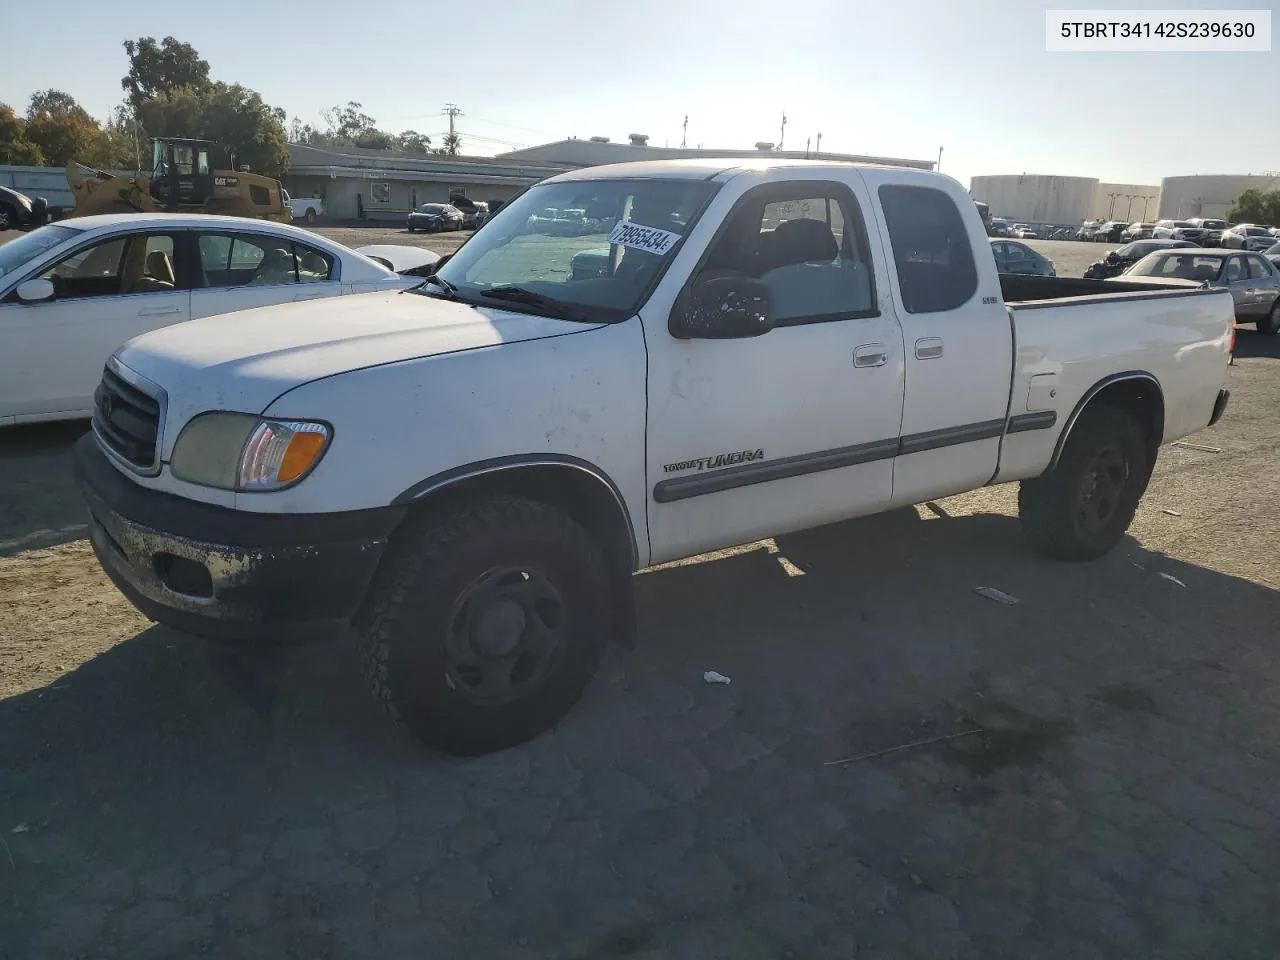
1081	508
1270	324
8	217
485	623
310	217
411	228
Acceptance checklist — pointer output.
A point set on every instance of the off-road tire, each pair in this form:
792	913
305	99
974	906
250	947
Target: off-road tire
8	217
309	217
402	625
1270	324
1049	505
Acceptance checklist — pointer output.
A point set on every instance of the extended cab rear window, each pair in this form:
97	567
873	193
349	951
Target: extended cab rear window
931	250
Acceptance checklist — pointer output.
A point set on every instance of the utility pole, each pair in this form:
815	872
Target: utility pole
684	133
818	147
939	167
806	147
782	134
452	110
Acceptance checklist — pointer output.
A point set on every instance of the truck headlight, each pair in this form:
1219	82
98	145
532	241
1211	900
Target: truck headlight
243	452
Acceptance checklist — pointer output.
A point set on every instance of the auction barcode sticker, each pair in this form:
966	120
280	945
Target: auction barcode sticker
1156	31
640	237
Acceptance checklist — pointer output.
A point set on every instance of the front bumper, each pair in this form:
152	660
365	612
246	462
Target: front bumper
230	574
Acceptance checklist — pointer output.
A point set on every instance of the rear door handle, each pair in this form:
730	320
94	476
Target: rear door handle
928	348
870	355
160	312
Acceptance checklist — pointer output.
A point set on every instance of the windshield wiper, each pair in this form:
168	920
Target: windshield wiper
538	301
440	282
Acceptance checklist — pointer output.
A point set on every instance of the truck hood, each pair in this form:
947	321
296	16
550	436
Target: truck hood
243	361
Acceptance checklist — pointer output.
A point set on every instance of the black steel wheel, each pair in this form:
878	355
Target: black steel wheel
1081	508
485	623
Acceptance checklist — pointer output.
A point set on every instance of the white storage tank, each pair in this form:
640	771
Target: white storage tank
1208	195
1036	198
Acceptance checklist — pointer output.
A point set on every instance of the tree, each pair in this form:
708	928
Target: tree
411	141
234	116
375	140
156	69
14	145
1255	206
450	145
62	129
347	124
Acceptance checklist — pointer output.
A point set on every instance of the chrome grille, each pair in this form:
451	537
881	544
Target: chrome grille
126	420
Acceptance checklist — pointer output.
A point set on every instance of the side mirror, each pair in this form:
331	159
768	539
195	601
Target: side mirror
722	308
35	291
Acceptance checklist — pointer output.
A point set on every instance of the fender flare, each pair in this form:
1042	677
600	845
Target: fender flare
447	478
1090	394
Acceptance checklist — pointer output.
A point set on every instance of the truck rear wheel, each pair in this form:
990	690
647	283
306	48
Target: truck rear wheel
310	216
1270	324
486	624
1081	508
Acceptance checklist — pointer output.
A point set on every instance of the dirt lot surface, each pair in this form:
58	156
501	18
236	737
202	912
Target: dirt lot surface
164	798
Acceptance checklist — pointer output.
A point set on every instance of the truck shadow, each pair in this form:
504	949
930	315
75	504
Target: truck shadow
39	504
1250	343
846	640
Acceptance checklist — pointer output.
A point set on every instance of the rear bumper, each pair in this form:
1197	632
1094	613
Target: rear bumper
1220	406
229	574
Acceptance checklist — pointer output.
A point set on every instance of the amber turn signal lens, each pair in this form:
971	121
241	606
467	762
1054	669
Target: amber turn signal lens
304	449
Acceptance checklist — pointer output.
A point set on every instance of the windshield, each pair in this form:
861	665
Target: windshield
431	208
15	254
1184	266
1256	232
596	247
1213	224
1185	223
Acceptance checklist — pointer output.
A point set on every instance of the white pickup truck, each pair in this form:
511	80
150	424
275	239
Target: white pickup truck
468	473
304	209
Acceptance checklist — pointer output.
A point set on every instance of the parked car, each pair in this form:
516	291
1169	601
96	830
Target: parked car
305	209
1214	229
1252	279
20	212
423	468
473	211
1180	230
1246	236
1024	232
1110	231
73	291
1118	261
403	259
1088	230
1272	253
1000	227
1137	231
1014	257
435	217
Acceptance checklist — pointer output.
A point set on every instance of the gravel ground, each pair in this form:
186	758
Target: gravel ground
160	797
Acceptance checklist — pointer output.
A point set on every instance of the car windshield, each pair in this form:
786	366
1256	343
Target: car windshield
596	265
432	208
16	253
1184	266
1256	232
1139	248
1185	223
1213	224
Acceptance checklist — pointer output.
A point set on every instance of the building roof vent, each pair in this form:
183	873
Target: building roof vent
764	147
599	139
638	139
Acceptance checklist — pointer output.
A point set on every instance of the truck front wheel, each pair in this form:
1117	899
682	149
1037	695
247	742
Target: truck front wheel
486	624
1081	508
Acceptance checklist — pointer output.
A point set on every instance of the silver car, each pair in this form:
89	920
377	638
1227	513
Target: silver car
1245	236
1180	230
1253	280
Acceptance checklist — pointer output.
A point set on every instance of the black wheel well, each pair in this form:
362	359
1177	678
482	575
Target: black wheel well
589	499
1137	393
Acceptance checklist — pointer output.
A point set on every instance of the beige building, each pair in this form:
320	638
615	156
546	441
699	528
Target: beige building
1131	202
1209	195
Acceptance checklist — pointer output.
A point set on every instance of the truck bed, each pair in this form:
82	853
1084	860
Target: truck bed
1022	289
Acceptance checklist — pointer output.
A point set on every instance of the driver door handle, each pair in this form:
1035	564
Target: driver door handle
870	355
928	348
160	312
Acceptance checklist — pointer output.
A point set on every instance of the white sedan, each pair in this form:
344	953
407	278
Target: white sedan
73	291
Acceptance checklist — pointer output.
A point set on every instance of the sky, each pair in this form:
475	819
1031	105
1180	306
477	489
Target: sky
885	78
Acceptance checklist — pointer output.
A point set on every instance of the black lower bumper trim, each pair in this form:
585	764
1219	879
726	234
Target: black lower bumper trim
1220	406
230	574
